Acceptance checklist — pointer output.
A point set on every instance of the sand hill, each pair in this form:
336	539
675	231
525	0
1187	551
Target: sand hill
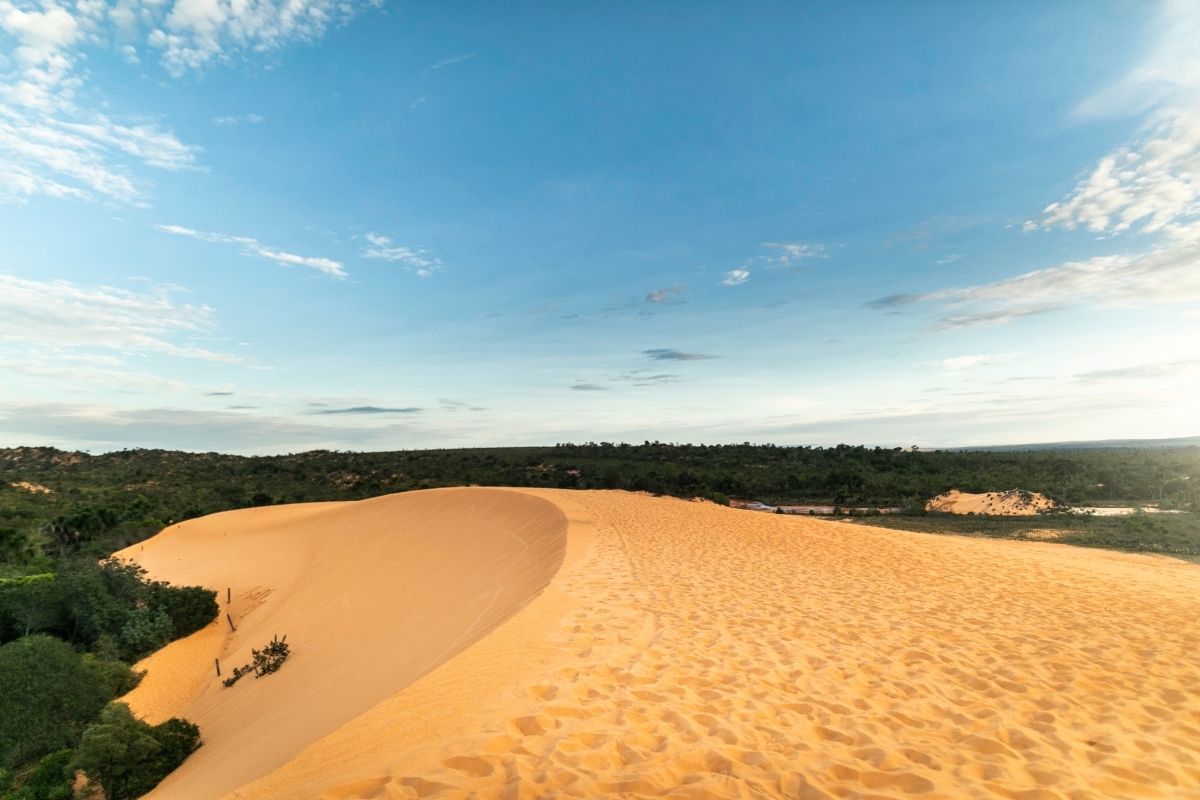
1013	503
524	644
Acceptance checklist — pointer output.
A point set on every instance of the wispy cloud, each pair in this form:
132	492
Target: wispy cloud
960	363
193	34
665	294
73	319
50	145
779	255
369	410
382	248
252	247
949	259
1162	275
787	254
666	354
735	277
987	319
451	61
1168	369
78	156
228	122
1150	186
588	387
1166	74
645	377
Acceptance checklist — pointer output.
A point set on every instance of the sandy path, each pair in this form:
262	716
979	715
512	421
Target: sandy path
687	650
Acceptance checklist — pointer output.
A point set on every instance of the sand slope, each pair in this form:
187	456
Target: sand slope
688	650
371	595
1013	503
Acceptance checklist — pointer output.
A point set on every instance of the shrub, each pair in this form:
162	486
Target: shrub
127	757
189	607
47	695
50	780
145	631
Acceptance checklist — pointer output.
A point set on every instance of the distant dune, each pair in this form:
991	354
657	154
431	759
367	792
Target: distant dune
1013	503
523	643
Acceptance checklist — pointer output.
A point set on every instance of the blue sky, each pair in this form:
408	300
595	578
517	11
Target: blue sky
271	227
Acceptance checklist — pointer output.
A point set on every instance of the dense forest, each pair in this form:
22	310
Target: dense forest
97	504
72	620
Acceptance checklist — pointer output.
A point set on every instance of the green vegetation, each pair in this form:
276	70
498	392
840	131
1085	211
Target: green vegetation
98	504
127	757
1175	535
71	621
48	695
70	625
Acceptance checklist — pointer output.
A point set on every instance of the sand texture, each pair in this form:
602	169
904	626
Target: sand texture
1013	503
680	650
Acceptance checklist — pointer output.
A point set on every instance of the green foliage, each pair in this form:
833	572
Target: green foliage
116	676
14	546
177	739
127	757
119	753
189	607
49	780
47	695
265	661
108	607
28	604
145	631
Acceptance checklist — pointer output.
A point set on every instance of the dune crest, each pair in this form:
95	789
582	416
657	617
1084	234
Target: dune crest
689	650
371	595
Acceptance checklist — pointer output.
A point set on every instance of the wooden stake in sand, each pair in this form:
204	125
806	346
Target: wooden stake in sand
228	595
231	625
217	661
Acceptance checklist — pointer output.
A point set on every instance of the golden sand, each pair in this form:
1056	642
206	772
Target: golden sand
681	649
1013	503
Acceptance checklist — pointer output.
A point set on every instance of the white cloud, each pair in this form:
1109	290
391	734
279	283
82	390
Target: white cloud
1164	275
50	146
785	254
252	247
664	294
1167	74
195	33
60	314
382	248
446	62
735	277
1153	184
227	122
1150	186
960	363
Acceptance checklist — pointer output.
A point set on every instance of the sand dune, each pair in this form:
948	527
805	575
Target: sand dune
688	650
1013	503
371	596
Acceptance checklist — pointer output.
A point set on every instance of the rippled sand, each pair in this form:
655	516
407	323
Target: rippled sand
688	650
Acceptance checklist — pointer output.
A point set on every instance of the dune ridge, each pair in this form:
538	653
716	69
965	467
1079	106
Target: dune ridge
689	650
371	595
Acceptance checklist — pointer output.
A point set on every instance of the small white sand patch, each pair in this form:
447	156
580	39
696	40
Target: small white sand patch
32	488
1013	503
